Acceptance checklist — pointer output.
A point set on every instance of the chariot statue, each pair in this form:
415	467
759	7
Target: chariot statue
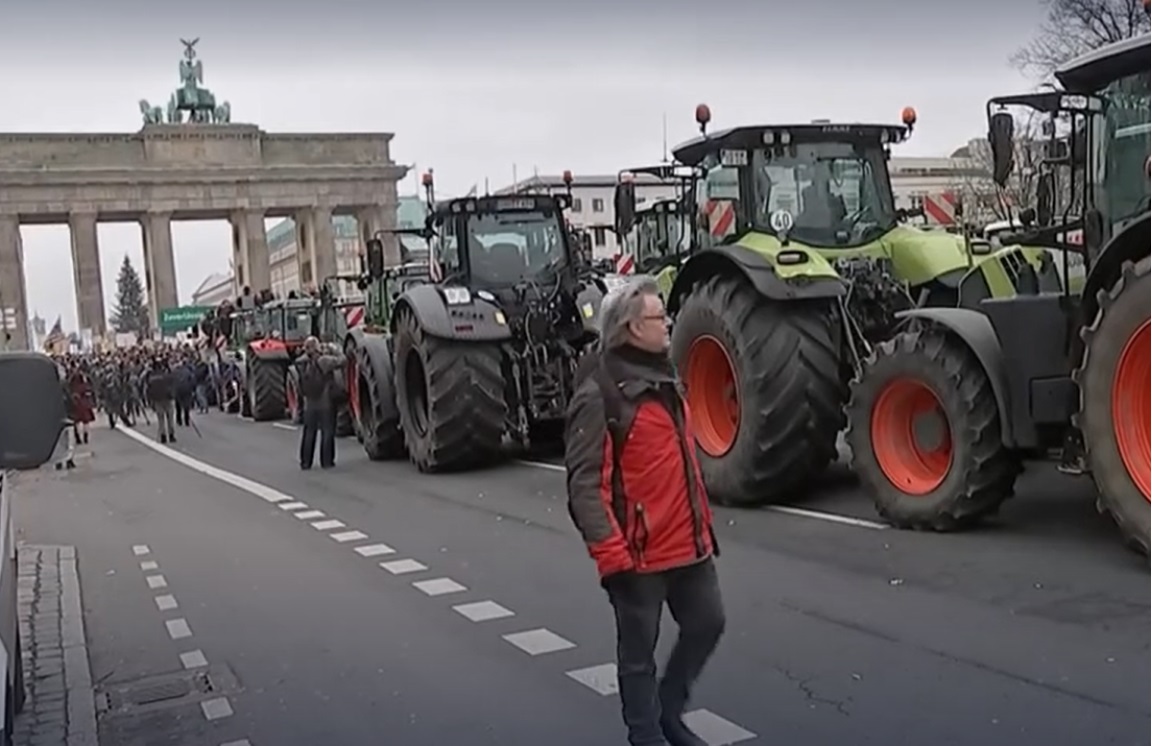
190	103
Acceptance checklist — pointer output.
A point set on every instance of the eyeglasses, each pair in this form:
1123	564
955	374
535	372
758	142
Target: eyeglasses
655	317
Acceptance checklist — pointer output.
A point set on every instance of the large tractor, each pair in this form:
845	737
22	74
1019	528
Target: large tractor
944	413
657	237
800	262
483	349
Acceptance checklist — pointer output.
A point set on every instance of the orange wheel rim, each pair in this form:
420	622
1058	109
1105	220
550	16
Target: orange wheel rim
1130	408
352	384
292	399
911	436
713	395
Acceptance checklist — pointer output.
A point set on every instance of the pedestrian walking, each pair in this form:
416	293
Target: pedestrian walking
320	392
648	525
184	378
161	392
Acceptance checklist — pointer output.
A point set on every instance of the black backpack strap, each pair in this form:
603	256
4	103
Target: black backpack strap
618	416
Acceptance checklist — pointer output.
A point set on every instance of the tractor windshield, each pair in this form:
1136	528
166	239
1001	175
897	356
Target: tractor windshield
505	248
837	193
657	236
297	324
1121	181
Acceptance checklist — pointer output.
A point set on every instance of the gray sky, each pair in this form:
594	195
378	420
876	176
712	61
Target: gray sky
548	85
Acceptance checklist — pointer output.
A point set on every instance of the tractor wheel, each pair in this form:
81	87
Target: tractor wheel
924	429
763	386
344	426
451	399
1114	407
292	396
371	394
266	381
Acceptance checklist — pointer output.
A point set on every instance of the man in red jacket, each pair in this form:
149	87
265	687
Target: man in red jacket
636	495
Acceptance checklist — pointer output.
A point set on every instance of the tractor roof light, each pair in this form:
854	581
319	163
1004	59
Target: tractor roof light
567	176
908	116
627	177
703	117
426	178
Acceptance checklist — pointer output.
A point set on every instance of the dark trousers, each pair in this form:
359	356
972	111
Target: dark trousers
322	421
183	409
652	711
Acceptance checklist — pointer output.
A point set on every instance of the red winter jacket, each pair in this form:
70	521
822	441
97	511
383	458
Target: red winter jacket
658	518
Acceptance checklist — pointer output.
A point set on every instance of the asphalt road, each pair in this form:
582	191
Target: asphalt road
1031	631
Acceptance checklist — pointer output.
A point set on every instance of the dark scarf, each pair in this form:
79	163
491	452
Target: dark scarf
631	363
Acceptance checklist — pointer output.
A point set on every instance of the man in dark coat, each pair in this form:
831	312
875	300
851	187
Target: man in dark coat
184	390
160	388
320	393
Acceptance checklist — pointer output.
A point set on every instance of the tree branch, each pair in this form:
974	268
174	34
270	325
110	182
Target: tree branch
1074	27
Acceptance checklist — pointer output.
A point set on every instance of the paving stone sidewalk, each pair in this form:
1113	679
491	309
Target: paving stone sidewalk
60	708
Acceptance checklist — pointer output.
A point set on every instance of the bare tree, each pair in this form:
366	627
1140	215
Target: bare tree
984	202
1073	27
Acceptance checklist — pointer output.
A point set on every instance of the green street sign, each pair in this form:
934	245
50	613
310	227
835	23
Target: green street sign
180	319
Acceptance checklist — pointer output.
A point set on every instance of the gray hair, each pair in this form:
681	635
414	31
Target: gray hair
623	305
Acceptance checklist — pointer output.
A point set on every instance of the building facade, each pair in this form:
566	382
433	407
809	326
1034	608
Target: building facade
215	289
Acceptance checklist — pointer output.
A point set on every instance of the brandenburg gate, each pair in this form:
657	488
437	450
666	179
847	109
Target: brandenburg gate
190	162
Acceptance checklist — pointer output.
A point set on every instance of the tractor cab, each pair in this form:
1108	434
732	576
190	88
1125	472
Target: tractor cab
655	235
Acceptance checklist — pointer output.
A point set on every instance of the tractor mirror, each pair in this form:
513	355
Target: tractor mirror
1045	198
1001	134
625	203
375	256
32	410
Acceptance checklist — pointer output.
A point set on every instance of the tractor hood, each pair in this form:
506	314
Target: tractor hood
920	255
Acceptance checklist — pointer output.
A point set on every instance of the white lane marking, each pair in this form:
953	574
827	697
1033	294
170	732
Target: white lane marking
214	709
844	520
715	730
241	742
178	629
374	550
482	611
140	549
193	659
292	506
400	567
149	565
438	586
156	581
166	603
309	515
600	679
539	641
284	426
327	525
347	536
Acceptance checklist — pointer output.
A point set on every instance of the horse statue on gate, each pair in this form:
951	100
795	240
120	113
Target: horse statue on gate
190	103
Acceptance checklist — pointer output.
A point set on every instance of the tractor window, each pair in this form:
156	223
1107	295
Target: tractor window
297	324
1125	147
506	248
718	202
838	193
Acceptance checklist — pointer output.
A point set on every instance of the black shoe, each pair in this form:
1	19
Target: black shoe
85	438
327	466
70	464
172	438
679	734
163	438
305	467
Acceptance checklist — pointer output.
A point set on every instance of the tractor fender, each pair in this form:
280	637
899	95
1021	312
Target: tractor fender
378	349
757	269
478	321
1129	245
270	350
588	301
976	332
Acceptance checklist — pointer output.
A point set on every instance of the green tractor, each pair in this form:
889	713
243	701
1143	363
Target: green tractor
944	413
657	237
800	263
481	349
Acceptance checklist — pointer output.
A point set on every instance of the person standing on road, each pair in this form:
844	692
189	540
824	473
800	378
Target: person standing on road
161	391
318	390
184	378
636	494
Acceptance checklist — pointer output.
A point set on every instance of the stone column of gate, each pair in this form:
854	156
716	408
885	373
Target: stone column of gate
324	248
250	251
13	294
305	249
374	220
86	273
160	264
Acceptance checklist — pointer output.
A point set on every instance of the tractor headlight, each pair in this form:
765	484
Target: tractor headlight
457	296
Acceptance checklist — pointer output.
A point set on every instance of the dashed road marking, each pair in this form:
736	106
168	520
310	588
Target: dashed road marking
292	506
374	550
178	629
214	709
241	742
600	679
283	426
327	525
539	641
482	611
715	730
541	465
149	565
166	603
438	586
309	515
347	536
193	659
140	550
401	567
156	581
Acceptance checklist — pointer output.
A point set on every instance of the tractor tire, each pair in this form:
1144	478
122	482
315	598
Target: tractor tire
344	427
294	404
373	400
1114	402
764	387
266	381
451	399
924	429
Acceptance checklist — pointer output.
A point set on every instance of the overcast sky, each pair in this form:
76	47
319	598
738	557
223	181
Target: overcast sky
579	84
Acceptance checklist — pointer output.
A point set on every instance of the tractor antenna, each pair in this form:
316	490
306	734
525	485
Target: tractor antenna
486	192
665	135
